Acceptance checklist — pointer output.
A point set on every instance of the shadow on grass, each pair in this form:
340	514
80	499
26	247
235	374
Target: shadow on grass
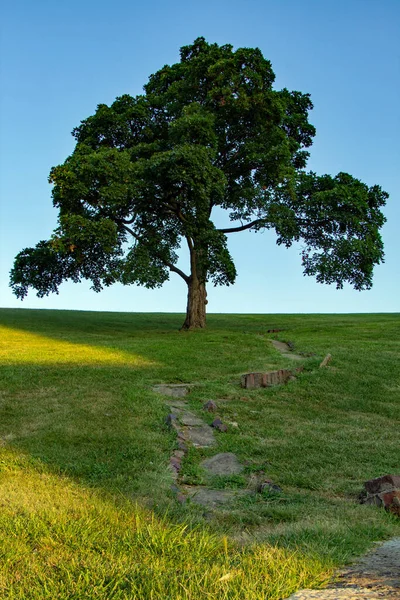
76	390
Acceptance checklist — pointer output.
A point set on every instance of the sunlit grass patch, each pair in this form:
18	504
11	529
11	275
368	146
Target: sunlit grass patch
22	347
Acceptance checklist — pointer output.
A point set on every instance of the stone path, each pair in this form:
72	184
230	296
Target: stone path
225	463
177	390
286	350
193	431
253	381
209	498
375	575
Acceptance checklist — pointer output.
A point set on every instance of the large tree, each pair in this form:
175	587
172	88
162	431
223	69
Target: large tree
147	172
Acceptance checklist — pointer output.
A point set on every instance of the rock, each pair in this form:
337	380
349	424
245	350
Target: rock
252	381
177	405
201	437
179	454
183	436
177	390
213	498
373	500
260	482
225	463
386	483
326	360
190	420
171	420
182	446
175	463
219	425
383	491
269	486
210	406
391	501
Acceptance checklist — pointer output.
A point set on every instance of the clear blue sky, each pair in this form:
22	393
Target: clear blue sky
61	59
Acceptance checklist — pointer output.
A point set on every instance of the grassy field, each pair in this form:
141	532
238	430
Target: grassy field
86	505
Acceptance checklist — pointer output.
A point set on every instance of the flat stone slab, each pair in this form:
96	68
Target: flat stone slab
201	437
178	405
284	348
213	498
178	390
191	420
225	463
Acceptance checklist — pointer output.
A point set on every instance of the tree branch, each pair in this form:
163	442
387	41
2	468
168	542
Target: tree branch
168	264
132	220
189	243
242	227
172	267
129	230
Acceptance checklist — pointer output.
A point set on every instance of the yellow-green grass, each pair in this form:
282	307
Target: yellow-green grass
86	506
60	540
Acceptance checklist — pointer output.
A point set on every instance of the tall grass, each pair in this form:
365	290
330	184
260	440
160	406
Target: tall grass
59	540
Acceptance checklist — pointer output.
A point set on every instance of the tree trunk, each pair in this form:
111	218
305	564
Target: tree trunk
196	305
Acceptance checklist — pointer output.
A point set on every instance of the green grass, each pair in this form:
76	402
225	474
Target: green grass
86	505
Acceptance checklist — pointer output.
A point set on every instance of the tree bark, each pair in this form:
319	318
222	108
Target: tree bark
196	305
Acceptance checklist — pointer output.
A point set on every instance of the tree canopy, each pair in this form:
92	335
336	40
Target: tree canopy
209	131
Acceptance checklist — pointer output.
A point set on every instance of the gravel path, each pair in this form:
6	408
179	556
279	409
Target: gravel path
375	575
